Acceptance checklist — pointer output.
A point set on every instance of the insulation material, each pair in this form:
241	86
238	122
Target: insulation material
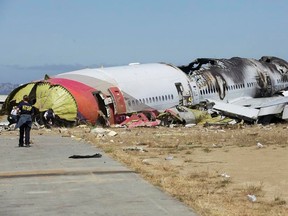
87	107
57	98
21	91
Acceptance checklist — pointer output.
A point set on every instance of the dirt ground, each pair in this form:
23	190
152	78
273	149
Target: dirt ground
212	169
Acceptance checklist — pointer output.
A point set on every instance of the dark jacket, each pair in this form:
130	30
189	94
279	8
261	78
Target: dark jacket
24	119
26	112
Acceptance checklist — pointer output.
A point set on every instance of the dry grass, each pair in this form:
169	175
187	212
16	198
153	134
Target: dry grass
199	155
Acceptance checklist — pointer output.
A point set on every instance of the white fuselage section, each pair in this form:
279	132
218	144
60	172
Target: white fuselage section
161	86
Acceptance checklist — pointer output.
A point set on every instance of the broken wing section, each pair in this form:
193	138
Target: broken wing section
254	109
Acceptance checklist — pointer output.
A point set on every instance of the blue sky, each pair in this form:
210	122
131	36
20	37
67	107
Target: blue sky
54	36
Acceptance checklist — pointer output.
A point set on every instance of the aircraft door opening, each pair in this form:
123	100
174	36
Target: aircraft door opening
102	104
180	90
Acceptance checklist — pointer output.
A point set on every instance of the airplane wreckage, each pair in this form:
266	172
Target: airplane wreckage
246	89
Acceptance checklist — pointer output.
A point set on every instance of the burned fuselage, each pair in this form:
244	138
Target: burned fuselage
228	79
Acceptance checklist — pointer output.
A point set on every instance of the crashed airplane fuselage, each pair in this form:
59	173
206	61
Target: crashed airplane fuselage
230	79
240	82
111	93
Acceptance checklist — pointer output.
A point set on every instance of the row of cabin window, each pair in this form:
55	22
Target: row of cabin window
232	87
150	100
283	79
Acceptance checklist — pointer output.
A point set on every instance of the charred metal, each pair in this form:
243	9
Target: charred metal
222	75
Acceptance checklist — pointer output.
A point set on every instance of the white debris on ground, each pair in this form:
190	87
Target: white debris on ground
135	148
170	157
146	161
259	145
225	175
190	125
252	198
103	131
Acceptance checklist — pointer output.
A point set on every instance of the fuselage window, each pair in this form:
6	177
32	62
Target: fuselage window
133	103
147	100
150	100
169	97
129	103
172	96
159	98
153	99
165	97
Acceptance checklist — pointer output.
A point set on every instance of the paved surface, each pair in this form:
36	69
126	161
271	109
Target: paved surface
43	180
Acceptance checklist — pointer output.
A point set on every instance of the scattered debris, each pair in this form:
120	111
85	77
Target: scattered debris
190	125
170	157
259	145
97	155
62	130
135	148
146	161
98	130
251	198
112	133
141	120
225	175
233	122
102	132
216	146
181	115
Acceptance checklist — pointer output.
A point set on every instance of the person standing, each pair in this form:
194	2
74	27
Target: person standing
25	121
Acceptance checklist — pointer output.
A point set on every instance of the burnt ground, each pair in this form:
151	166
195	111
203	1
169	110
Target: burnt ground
212	169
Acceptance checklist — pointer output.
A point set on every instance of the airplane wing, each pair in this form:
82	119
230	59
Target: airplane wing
252	109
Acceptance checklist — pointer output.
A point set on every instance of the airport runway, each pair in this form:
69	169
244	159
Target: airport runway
43	180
